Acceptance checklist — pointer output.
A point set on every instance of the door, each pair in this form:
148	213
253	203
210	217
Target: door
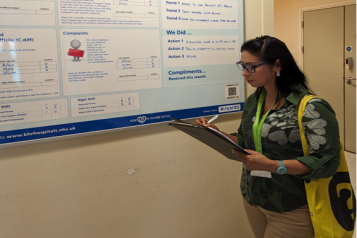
324	64
323	56
350	79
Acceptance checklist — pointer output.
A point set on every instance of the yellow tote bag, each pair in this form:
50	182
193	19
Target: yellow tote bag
332	202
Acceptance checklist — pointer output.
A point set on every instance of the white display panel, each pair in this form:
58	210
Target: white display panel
71	67
130	13
27	12
111	62
13	113
193	14
88	106
29	64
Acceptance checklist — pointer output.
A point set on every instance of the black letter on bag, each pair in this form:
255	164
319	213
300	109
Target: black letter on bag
339	206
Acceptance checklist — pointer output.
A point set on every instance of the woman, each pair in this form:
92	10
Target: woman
277	206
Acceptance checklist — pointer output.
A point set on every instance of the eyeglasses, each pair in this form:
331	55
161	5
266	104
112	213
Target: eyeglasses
249	68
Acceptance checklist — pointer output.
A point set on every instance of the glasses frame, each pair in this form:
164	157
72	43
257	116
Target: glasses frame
244	66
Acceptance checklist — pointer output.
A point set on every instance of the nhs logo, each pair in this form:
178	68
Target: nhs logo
230	108
142	119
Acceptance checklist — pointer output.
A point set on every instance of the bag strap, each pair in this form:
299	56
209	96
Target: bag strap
301	111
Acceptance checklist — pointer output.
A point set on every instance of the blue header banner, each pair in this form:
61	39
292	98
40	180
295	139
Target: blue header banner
8	137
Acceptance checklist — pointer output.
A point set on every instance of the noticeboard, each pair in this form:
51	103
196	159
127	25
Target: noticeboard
72	67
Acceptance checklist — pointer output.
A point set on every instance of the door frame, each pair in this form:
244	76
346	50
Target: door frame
317	7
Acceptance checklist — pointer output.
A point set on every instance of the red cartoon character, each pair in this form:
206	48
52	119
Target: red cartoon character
75	52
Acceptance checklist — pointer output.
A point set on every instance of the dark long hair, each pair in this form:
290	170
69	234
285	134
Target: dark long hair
270	49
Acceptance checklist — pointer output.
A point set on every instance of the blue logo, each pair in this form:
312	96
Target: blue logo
348	48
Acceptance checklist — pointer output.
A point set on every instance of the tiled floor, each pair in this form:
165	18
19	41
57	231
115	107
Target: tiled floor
351	162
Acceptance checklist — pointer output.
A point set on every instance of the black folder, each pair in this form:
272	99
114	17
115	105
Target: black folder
210	137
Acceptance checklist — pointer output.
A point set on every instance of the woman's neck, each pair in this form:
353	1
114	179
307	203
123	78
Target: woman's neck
271	92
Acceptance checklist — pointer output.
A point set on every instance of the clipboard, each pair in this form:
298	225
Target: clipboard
211	137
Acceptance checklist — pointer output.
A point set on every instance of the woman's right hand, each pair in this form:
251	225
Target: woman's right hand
202	121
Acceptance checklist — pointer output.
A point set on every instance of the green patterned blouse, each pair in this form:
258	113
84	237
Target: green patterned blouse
281	141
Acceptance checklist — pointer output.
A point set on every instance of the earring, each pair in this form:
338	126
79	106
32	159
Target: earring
278	73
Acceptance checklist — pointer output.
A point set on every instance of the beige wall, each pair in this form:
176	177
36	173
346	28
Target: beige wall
153	182
287	21
259	21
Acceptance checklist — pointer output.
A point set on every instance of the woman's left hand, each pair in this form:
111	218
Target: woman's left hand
256	161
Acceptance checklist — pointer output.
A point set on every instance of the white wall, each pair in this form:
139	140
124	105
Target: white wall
154	182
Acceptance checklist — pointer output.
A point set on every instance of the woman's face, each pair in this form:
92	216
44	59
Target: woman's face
264	75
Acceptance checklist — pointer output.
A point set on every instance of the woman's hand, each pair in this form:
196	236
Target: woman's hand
202	121
257	161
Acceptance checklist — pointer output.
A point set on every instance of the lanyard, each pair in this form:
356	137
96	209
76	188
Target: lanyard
257	126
